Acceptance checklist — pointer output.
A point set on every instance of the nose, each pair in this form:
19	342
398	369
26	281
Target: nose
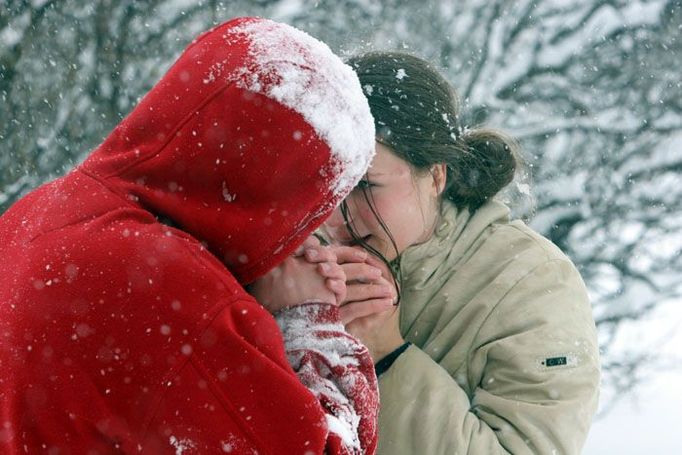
336	220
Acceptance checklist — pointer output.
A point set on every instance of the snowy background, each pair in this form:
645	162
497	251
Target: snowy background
592	88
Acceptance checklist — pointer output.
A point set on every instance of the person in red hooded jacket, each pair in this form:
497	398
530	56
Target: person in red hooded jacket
125	326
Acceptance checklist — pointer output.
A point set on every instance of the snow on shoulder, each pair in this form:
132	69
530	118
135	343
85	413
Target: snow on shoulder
303	74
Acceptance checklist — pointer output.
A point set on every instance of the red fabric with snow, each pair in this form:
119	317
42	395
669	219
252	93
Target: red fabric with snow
120	333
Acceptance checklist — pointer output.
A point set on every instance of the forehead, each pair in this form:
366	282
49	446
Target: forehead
387	163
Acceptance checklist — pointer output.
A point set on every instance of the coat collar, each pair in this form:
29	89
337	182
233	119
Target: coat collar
424	267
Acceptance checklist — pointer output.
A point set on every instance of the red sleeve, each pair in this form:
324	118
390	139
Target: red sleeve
338	370
238	394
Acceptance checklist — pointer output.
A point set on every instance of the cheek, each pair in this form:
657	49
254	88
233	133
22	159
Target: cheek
391	213
407	221
368	218
400	212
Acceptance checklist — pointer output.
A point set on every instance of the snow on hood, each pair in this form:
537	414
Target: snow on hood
327	97
248	143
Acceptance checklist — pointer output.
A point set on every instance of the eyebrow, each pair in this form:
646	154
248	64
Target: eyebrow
370	174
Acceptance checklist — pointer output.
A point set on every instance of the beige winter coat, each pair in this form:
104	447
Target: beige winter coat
505	356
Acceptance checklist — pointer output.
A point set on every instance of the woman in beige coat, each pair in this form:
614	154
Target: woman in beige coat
493	347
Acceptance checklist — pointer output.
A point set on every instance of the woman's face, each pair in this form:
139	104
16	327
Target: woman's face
407	203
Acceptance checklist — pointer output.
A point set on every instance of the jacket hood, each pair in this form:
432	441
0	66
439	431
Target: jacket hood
247	143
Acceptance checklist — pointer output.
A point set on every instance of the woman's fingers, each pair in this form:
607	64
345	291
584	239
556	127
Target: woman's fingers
356	292
348	276
385	272
332	270
360	271
355	310
294	282
338	287
348	255
335	279
345	254
319	254
378	263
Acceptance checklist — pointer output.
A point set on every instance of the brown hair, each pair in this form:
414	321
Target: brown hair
416	114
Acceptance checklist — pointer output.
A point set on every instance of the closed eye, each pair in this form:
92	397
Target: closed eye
364	184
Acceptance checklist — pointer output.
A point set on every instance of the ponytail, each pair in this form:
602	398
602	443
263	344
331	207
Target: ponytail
417	115
482	163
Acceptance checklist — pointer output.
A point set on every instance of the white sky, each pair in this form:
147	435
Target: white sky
648	423
650	420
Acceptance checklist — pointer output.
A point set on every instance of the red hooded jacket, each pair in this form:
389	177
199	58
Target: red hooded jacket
124	326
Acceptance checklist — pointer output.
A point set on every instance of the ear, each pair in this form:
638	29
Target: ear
439	174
